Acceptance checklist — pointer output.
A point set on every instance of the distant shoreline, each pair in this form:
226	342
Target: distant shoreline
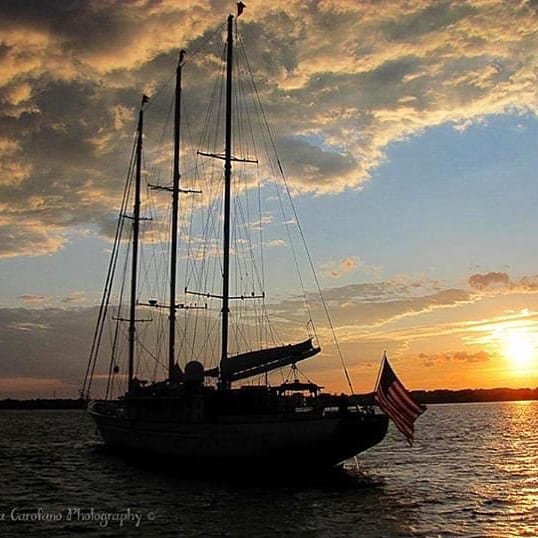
474	395
43	403
438	396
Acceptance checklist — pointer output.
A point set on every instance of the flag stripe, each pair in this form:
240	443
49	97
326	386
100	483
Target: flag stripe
396	402
395	410
401	423
403	403
397	417
407	397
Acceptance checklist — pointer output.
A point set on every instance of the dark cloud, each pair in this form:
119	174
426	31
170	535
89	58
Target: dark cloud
528	283
485	281
500	281
72	72
425	20
312	163
46	343
361	305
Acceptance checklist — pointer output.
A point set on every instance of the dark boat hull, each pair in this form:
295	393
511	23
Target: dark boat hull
284	440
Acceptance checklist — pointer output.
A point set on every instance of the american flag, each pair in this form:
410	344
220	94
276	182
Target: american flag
396	402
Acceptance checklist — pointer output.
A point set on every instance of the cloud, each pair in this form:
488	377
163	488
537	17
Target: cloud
335	99
31	387
29	239
309	164
347	265
358	308
46	343
431	359
276	243
484	281
33	299
501	282
49	339
528	283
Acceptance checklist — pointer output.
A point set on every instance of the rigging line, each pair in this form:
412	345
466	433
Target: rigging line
209	223
190	57
268	328
156	234
244	188
240	331
266	134
220	101
158	91
103	307
303	374
247	253
339	351
246	221
116	328
123	292
316	279
216	97
277	170
117	325
187	227
108	286
242	53
244	108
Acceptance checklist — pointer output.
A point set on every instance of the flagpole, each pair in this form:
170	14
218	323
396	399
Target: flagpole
379	372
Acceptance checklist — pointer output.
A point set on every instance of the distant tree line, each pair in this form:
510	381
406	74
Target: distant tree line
42	403
438	396
474	395
441	396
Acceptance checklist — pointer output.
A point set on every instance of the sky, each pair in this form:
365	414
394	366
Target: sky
408	132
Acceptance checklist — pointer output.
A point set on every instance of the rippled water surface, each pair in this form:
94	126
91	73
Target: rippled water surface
472	472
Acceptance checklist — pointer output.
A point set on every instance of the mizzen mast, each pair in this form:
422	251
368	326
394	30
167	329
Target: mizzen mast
174	224
227	194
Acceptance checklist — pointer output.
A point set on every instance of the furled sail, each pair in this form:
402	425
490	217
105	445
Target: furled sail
258	362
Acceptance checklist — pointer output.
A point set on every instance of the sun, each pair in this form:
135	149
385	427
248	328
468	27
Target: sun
520	347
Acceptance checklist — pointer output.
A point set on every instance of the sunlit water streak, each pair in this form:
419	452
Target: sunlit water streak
472	472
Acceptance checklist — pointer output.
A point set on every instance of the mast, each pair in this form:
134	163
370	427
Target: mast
227	193
136	226
175	210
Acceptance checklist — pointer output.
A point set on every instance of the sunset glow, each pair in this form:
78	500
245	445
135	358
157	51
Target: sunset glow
407	132
519	346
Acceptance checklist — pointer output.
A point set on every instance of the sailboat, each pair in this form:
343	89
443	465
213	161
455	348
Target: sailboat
235	411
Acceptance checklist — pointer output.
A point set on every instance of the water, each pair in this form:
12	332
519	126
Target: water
472	472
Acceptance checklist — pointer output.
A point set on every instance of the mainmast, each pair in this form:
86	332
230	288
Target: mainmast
175	210
227	193
136	227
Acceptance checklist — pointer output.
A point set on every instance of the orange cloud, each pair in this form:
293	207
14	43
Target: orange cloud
336	100
430	359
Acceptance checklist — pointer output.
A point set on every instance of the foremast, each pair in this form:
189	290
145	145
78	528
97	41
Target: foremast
135	244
